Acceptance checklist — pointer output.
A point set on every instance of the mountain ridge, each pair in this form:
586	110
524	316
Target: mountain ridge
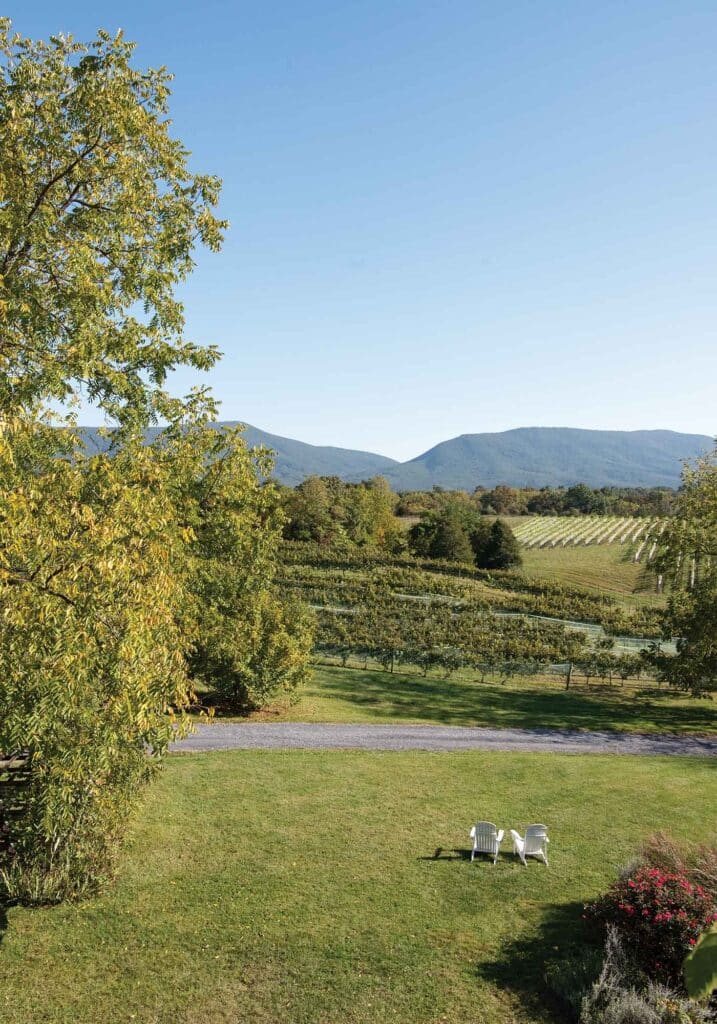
520	457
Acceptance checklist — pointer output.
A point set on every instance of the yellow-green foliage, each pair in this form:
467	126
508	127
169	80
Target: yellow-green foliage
113	570
690	560
252	642
99	215
91	658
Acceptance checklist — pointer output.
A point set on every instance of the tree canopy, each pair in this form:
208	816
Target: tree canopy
457	533
689	561
99	217
126	577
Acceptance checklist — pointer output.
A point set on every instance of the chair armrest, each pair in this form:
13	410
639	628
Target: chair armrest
499	837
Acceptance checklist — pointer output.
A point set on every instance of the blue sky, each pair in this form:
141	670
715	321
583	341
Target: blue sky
446	217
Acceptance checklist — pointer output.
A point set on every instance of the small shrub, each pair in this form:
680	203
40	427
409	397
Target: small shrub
620	997
659	915
663	852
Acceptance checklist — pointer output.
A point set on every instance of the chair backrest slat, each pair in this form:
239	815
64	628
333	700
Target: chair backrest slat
535	836
484	834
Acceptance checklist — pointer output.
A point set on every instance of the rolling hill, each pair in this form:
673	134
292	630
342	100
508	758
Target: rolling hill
526	456
554	456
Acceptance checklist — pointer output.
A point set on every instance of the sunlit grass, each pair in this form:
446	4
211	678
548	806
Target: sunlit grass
357	695
304	887
597	568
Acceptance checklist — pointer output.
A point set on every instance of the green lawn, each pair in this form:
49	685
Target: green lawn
355	695
304	887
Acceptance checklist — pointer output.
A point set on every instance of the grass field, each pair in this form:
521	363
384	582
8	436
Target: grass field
355	695
600	569
305	887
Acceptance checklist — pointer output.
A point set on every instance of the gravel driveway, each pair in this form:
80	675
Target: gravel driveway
293	735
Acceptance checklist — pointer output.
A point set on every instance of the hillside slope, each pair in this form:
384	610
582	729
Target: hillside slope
295	460
540	456
527	456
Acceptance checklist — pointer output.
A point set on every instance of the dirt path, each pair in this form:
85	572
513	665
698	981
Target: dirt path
293	735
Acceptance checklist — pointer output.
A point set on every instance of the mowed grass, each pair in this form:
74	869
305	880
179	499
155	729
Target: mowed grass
357	695
598	568
334	888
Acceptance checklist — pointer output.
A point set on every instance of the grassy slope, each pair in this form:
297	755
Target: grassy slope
602	569
354	695
596	568
302	886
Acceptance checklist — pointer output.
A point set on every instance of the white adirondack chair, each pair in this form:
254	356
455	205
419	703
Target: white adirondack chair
535	843
486	839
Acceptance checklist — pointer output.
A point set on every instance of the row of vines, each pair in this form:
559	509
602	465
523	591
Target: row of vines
431	615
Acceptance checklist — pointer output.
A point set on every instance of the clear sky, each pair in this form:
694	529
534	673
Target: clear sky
446	217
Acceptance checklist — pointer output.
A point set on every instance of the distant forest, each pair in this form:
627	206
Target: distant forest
446	524
546	501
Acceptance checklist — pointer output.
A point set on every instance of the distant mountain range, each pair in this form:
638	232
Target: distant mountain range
525	457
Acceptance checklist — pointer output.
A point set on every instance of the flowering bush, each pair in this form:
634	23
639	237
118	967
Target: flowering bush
659	915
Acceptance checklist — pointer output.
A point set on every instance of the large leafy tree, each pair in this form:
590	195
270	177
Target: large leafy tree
498	548
689	561
446	533
105	561
99	217
311	515
451	540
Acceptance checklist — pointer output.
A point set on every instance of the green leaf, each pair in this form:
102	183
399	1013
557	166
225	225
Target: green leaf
700	966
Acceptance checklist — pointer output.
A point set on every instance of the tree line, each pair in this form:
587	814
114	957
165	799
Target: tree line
579	499
328	510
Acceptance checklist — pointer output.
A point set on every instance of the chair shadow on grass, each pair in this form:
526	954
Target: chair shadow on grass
519	967
445	853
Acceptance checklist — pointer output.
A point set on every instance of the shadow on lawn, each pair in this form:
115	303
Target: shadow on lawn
441	853
3	921
462	703
520	968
